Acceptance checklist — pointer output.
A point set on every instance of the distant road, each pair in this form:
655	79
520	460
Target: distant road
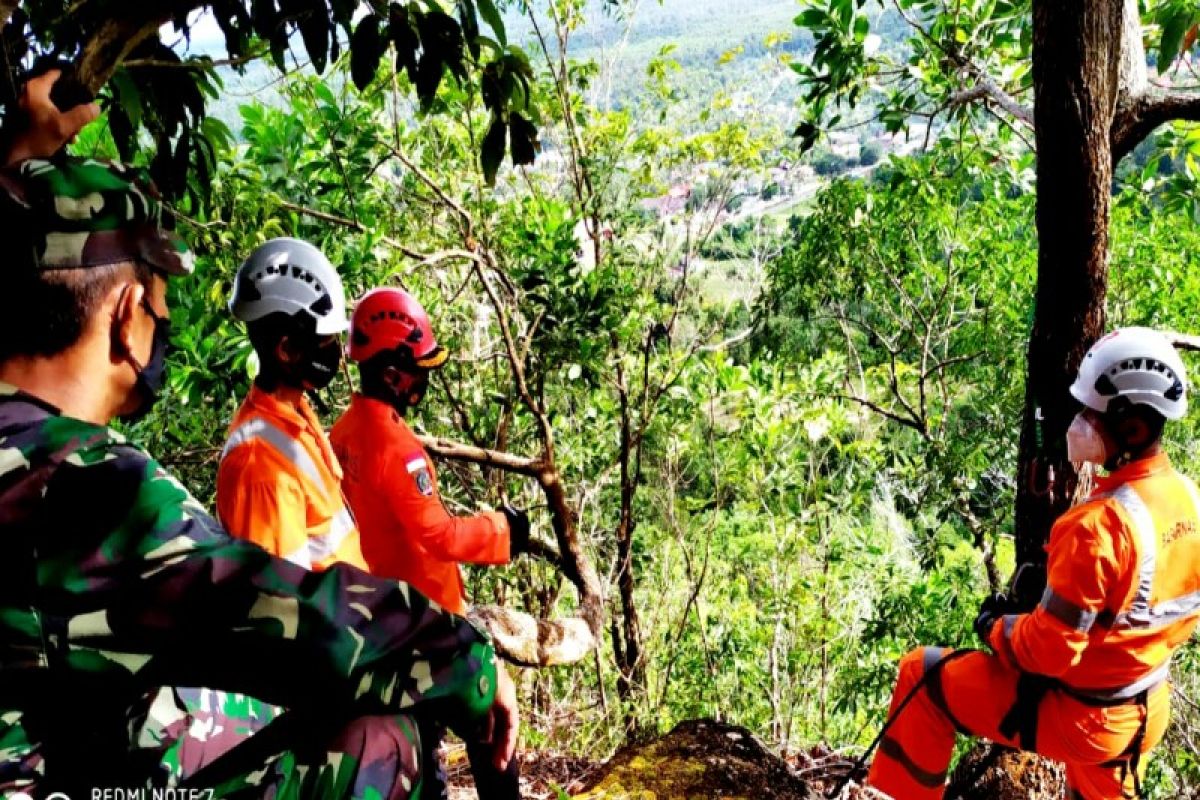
806	190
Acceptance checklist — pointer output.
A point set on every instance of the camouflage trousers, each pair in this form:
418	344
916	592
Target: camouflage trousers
369	758
490	783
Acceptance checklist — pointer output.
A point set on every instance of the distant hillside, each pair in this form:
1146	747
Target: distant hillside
698	33
698	29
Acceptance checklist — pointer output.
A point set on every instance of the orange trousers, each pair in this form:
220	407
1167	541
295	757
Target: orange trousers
976	691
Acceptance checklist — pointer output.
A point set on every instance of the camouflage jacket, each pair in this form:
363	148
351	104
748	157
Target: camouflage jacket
114	581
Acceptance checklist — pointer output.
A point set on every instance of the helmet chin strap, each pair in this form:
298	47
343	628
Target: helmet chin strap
1125	452
401	397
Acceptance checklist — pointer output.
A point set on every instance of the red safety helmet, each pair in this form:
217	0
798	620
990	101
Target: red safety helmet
391	319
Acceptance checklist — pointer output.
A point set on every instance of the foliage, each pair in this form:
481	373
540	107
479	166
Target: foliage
801	479
948	48
153	90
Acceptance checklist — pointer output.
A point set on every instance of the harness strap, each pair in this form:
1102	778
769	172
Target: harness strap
1021	721
934	689
1130	760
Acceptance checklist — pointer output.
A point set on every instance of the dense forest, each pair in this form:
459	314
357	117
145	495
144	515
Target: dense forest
740	307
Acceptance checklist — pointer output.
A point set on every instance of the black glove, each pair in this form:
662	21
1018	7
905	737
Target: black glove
518	530
993	608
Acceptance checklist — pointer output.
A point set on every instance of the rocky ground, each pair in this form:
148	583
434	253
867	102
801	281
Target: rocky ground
708	759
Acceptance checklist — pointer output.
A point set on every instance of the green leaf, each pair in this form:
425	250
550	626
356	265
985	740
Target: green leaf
862	26
405	40
491	150
470	26
811	18
129	96
314	30
845	12
487	10
524	140
1174	25
366	48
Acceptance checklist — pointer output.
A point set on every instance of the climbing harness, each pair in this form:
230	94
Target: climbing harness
933	671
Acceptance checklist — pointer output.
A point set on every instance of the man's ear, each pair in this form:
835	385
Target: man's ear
286	351
1135	432
126	299
391	377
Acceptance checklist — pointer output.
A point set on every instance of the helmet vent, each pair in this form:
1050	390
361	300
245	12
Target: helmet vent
1105	387
322	306
248	291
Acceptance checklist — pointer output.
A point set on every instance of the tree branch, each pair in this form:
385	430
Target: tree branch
447	255
987	89
911	421
116	38
1183	341
736	339
984	83
192	63
334	219
528	642
436	188
1139	114
568	559
457	451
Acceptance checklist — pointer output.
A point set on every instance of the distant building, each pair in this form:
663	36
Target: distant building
844	144
674	202
585	250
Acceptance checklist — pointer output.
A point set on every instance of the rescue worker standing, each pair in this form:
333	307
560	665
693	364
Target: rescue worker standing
1081	679
115	581
279	483
390	481
391	484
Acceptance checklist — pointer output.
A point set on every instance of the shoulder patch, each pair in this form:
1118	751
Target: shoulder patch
420	473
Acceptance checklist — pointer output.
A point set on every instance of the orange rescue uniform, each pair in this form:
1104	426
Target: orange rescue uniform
279	485
1123	593
407	534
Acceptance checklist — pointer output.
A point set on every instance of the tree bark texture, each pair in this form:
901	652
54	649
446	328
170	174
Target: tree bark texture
1076	73
628	652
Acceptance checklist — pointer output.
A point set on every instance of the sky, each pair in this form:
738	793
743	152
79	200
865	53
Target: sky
206	36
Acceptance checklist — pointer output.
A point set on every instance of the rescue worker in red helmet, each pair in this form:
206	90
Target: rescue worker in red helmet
391	483
1083	678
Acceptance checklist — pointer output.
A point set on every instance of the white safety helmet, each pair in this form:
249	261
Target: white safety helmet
290	276
1135	363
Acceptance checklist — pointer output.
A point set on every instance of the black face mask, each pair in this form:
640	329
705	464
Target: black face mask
150	377
319	369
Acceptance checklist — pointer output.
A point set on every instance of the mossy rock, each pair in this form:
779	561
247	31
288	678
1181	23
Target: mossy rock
698	759
1014	776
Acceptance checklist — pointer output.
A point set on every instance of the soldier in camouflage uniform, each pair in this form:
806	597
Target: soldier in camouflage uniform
115	582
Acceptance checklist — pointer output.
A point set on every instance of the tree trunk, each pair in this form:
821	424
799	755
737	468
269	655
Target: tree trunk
627	638
1076	67
631	672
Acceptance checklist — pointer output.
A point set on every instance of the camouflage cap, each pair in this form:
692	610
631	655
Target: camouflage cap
83	213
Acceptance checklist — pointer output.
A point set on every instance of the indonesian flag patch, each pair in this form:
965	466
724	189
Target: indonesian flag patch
420	472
